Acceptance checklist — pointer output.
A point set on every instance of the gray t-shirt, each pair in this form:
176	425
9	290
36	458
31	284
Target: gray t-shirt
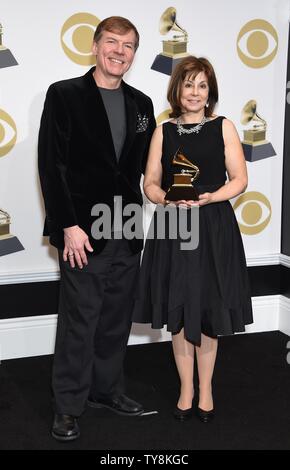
115	107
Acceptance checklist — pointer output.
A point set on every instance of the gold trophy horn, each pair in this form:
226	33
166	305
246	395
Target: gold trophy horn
173	49
249	114
182	187
168	23
181	160
255	145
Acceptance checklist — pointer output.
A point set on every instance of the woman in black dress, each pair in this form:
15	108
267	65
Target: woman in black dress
202	293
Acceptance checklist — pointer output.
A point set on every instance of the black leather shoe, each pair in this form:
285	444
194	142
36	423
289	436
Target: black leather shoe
65	428
182	415
121	405
205	416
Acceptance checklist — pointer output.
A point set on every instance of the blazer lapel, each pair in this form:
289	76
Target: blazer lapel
99	118
131	118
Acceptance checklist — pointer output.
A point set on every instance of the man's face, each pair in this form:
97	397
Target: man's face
114	53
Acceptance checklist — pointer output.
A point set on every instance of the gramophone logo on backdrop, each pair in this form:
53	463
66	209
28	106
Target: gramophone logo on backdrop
257	43
8	243
164	116
8	134
255	145
253	211
6	57
77	37
174	49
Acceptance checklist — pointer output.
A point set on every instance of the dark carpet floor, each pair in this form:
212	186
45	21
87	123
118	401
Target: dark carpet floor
251	393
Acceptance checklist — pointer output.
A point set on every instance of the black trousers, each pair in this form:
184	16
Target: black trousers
94	322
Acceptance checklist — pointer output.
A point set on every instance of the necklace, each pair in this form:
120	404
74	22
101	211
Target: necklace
195	129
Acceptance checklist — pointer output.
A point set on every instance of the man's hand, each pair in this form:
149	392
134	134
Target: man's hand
75	242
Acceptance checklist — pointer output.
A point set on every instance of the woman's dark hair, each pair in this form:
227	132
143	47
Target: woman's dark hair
190	67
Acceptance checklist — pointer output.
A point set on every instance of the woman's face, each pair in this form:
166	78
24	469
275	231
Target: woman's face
194	93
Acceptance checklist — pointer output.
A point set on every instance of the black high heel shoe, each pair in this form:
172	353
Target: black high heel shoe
182	415
205	416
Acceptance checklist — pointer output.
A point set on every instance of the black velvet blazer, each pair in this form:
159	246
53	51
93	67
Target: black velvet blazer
77	162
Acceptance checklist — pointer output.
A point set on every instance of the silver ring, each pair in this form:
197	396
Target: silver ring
70	254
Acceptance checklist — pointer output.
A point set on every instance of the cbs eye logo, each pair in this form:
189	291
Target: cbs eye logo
8	133
288	93
253	211
77	37
257	43
288	355
164	116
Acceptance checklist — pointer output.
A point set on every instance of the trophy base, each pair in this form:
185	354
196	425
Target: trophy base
254	153
9	245
7	59
178	193
166	64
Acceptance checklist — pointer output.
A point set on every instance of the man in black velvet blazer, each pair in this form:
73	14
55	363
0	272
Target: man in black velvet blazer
93	142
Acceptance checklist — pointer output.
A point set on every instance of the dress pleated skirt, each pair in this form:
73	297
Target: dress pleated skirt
203	290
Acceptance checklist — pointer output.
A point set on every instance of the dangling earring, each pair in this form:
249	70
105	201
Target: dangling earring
207	105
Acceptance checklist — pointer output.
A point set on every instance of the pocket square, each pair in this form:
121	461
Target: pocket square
142	123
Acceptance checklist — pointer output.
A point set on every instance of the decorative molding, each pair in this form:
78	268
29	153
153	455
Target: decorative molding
284	315
24	277
35	336
285	260
263	260
28	336
285	302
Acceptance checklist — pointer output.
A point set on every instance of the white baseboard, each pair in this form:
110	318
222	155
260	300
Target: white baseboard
266	312
263	260
284	320
24	277
35	336
285	260
28	336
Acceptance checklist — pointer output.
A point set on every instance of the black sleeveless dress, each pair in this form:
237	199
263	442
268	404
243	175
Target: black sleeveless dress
205	290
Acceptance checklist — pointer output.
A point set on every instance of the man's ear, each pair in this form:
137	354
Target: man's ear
94	48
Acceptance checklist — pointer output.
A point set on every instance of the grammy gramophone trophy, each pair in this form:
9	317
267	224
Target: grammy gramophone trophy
255	145
182	187
173	49
6	57
8	242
